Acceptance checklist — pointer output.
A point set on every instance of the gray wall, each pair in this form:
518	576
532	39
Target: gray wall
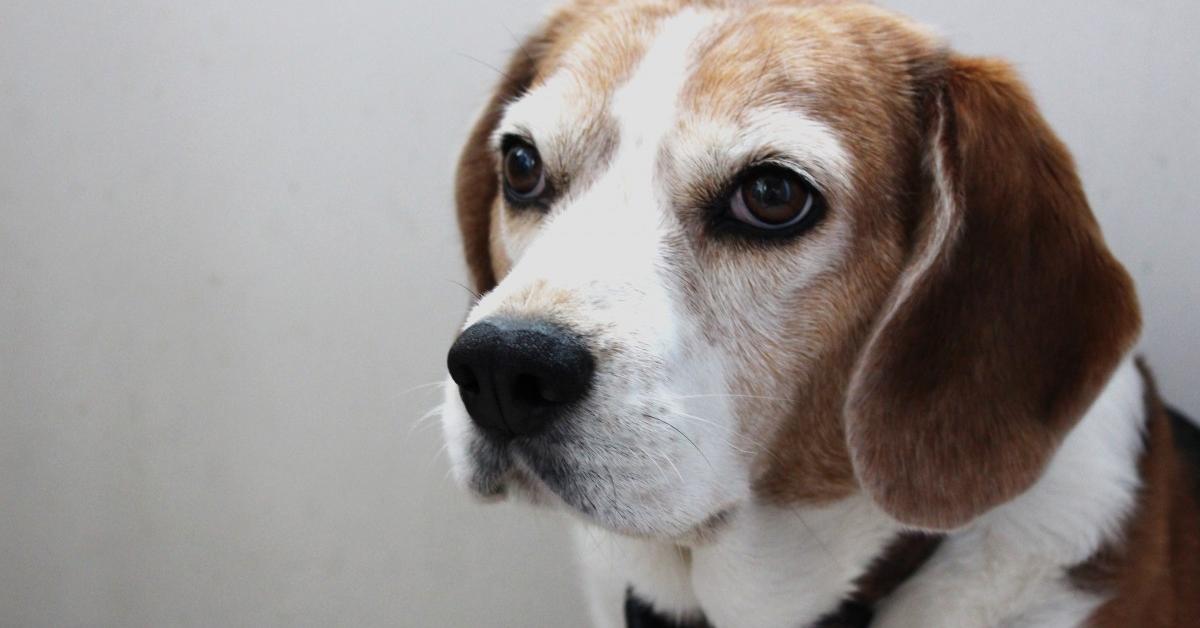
227	254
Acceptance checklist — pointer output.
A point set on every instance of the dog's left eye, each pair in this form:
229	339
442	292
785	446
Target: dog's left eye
773	198
524	179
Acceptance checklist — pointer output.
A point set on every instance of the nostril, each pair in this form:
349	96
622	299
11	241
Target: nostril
527	389
552	394
465	378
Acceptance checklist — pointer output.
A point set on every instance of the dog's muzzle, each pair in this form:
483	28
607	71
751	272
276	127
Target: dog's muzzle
517	376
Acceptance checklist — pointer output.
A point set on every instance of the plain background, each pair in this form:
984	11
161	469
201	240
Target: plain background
227	256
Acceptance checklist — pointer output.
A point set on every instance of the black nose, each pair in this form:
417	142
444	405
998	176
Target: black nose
517	376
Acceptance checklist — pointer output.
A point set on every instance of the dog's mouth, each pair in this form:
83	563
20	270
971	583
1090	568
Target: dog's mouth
629	463
530	473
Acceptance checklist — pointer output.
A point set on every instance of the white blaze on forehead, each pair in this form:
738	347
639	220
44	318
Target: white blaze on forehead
625	202
646	107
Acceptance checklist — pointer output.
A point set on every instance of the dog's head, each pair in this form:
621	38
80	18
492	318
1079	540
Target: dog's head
781	251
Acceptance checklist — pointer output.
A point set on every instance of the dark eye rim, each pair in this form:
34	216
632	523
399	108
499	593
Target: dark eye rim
722	222
512	197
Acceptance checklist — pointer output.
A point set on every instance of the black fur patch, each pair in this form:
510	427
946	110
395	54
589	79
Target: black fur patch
1187	442
639	614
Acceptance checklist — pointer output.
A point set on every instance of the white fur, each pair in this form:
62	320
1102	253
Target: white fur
779	567
611	563
772	566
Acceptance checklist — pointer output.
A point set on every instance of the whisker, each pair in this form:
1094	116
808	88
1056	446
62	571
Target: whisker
440	382
762	447
645	452
438	454
486	65
734	396
520	45
726	428
425	419
675	468
653	459
474	295
685	436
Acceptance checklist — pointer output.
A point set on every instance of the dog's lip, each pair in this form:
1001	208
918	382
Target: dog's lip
515	475
533	486
519	479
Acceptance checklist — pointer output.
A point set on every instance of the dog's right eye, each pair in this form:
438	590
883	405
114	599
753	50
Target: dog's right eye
769	200
773	198
524	178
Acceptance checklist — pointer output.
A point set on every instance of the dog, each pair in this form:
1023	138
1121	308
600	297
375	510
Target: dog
808	322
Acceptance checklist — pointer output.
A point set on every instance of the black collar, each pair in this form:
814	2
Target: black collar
903	556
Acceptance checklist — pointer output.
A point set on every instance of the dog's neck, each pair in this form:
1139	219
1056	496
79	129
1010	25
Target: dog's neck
906	553
775	566
740	577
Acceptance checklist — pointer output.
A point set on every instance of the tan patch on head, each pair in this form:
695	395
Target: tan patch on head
601	42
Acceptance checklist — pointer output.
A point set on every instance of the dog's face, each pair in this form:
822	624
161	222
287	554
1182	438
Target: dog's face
762	252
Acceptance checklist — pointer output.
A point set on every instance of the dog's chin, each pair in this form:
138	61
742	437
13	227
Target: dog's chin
597	505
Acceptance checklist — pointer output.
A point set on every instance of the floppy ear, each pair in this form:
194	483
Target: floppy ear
476	186
1009	319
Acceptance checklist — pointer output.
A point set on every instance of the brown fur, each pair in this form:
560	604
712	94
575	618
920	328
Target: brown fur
475	186
1003	342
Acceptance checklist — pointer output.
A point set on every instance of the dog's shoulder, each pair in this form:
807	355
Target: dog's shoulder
1151	578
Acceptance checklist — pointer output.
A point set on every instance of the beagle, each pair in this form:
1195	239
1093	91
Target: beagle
807	320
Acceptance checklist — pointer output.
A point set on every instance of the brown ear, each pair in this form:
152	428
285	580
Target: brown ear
1009	319
476	184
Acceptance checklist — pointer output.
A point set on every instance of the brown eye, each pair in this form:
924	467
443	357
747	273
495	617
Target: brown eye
773	198
523	176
